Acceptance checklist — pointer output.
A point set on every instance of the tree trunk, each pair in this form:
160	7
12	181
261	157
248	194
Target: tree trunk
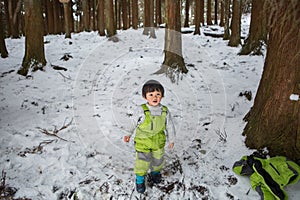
258	30
173	63
125	14
208	17
235	37
202	12
146	17
100	15
109	18
14	8
197	17
222	14
216	12
135	14
274	120
49	17
86	15
56	16
34	42
3	50
158	18
187	13
151	16
226	22
67	20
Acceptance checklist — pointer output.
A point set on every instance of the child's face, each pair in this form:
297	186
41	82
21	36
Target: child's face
153	98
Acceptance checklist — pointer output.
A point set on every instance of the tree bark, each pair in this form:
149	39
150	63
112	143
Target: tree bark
202	12
258	30
67	20
109	18
274	120
173	63
100	16
235	37
216	11
158	17
3	50
135	14
226	22
208	17
34	38
146	17
151	16
197	17
125	14
222	14
187	13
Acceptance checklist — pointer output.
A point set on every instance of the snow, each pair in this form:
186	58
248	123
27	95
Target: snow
294	97
97	94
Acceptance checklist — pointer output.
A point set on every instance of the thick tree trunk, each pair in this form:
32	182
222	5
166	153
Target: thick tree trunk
158	17
216	11
125	14
235	37
100	20
34	41
173	62
274	120
258	29
49	17
202	12
86	15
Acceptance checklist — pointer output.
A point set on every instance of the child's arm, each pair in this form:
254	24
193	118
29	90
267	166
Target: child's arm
170	131
137	118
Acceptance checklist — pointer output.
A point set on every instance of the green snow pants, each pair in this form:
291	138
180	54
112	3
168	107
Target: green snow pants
153	160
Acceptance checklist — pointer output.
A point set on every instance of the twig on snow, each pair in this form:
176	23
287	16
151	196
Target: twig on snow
222	135
56	131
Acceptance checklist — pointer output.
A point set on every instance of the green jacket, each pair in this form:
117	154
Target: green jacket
150	134
269	176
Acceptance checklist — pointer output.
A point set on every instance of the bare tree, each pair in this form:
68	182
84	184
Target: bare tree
34	38
135	14
3	50
66	4
226	22
173	63
274	120
187	13
109	18
100	18
197	17
258	29
235	37
208	13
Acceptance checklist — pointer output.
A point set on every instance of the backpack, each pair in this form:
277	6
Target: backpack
268	176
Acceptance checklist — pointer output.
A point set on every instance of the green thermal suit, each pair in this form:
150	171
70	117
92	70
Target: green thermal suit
150	140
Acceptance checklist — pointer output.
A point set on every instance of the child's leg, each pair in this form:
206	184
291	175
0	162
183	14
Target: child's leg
142	163
158	160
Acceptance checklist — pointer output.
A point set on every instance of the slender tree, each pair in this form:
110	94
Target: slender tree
173	63
100	18
34	57
222	14
135	14
216	11
86	15
3	50
151	16
187	13
208	13
226	22
66	17
197	17
274	120
202	12
235	37
109	18
124	5
147	17
158	15
258	29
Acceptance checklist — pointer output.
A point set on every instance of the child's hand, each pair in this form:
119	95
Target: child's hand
171	145
126	138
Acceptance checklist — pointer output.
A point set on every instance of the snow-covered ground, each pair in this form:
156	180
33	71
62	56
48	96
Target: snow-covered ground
88	107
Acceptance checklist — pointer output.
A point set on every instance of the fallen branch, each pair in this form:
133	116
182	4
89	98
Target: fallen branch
222	135
65	77
36	149
56	131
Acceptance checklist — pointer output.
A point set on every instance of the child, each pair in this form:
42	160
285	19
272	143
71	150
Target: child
153	126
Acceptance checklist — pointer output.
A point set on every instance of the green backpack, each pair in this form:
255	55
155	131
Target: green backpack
268	176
